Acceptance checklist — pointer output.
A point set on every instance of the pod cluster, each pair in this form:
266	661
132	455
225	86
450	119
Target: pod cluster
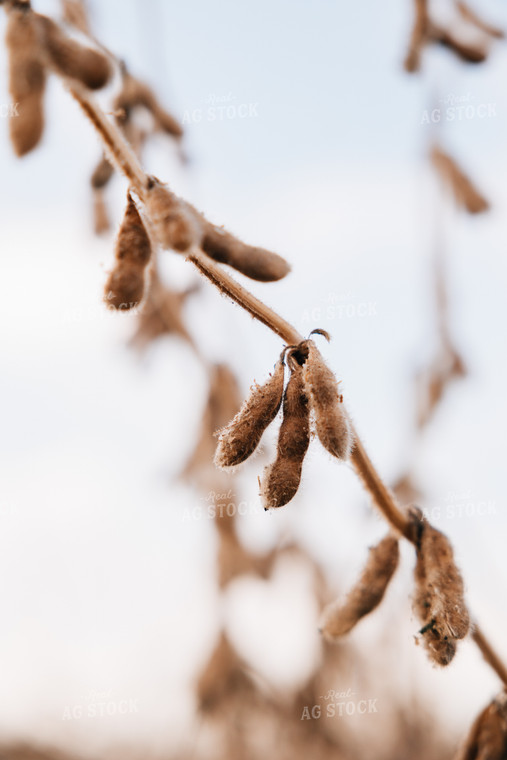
310	397
36	44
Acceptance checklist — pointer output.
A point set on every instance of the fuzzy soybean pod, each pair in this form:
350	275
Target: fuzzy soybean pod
340	617
281	478
242	435
27	80
70	58
256	263
173	220
487	739
331	420
439	595
125	285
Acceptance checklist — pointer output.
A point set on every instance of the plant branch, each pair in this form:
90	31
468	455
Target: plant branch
489	653
123	157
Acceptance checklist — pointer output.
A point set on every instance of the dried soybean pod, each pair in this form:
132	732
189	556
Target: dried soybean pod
467	52
172	220
102	173
464	191
281	478
339	618
125	285
135	93
256	263
241	437
444	583
71	59
487	739
331	421
27	80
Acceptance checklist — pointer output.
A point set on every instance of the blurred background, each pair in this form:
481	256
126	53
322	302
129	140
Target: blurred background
108	557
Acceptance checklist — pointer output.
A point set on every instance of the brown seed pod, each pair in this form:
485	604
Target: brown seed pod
331	421
71	59
27	80
241	437
172	220
281	478
340	617
467	52
439	593
487	739
102	173
256	263
134	94
125	285
466	194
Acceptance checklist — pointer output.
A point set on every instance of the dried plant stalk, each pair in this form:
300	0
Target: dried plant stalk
340	617
125	285
224	678
222	404
331	420
281	478
439	593
487	739
418	38
242	435
466	194
470	15
27	80
101	221
72	59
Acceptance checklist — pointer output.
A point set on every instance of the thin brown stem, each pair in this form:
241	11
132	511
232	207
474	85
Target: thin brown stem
381	496
117	147
240	295
489	653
